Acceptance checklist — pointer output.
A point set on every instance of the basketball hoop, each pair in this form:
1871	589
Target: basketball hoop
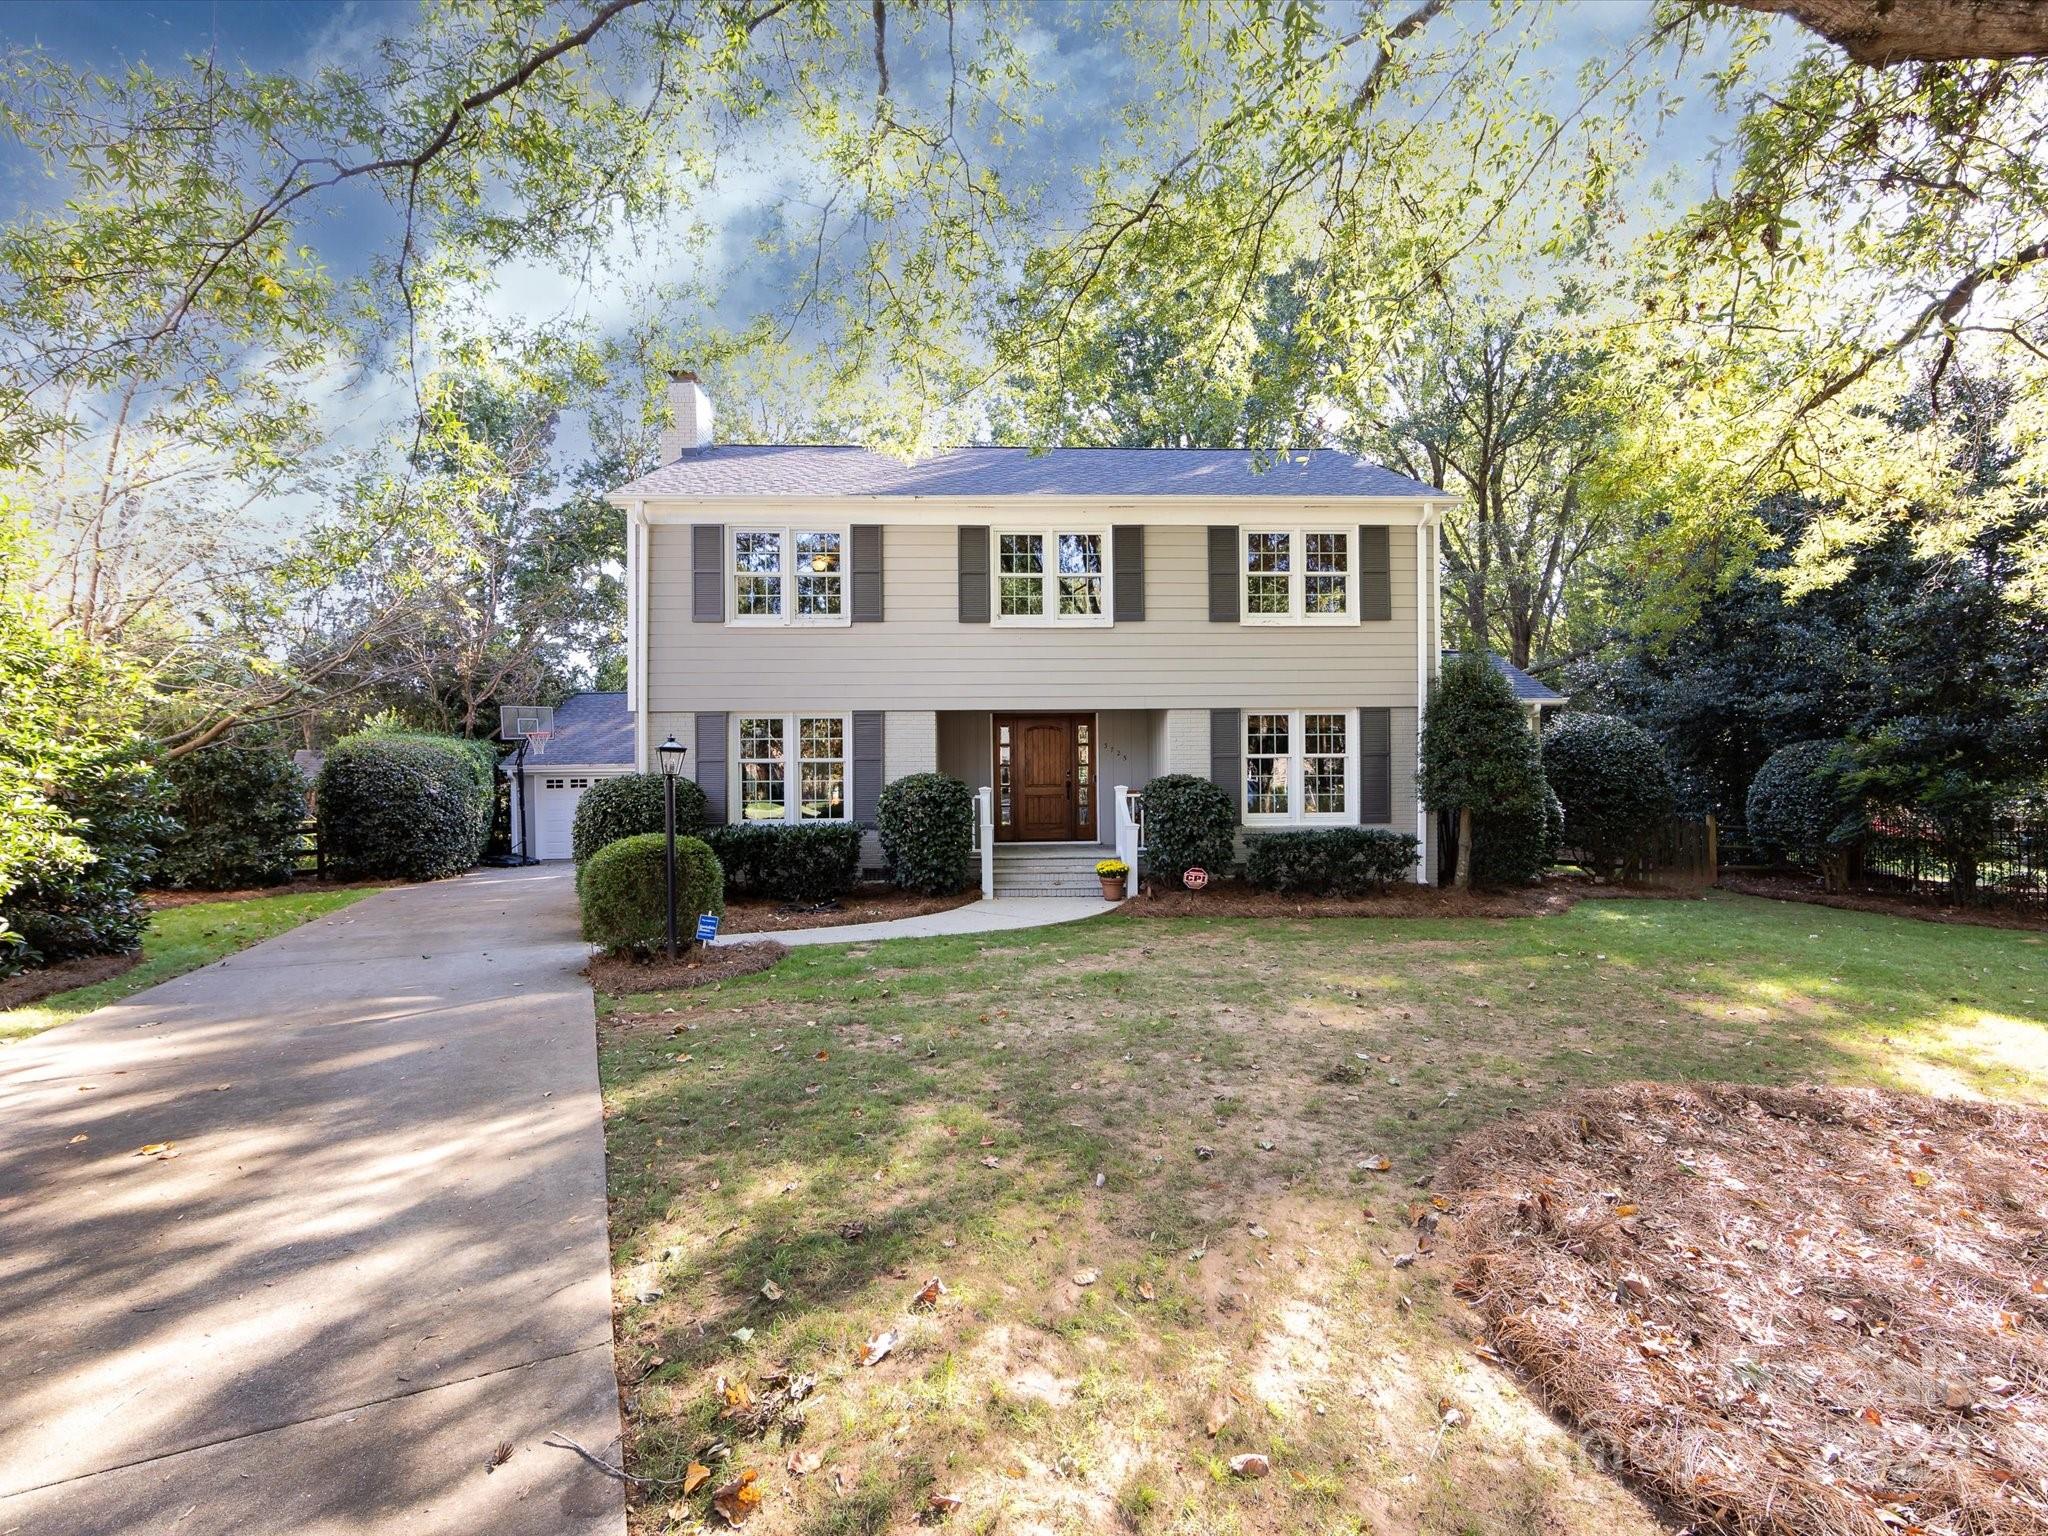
538	740
534	723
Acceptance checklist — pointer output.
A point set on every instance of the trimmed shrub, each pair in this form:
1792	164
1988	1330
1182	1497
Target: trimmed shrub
1479	758
1189	824
806	862
1613	782
627	806
239	809
926	822
1513	849
1802	807
623	888
406	805
1329	861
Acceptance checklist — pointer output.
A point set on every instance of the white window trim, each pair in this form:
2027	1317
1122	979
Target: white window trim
1295	816
788	618
1049	578
792	766
1297	580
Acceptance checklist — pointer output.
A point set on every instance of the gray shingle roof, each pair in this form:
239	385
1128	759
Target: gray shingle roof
593	730
739	469
1527	689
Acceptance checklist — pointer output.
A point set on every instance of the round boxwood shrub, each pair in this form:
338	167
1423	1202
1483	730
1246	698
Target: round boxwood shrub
623	888
239	809
627	806
1800	807
1612	779
926	822
1189	824
406	805
807	862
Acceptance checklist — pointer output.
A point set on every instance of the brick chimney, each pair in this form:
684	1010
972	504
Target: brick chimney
689	417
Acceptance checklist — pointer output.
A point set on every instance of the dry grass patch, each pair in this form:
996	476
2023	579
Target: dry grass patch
1779	1310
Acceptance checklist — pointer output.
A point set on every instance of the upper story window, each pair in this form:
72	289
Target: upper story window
789	575
1299	767
1051	576
1298	576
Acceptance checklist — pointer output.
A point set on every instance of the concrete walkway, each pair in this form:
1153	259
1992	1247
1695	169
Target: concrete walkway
378	1257
998	916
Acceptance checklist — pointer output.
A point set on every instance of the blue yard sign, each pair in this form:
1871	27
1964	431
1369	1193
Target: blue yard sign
707	927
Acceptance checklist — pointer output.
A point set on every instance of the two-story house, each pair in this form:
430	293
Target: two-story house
814	622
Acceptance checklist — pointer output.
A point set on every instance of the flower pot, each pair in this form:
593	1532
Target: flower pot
1112	887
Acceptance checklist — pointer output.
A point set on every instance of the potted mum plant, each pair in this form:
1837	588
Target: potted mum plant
1113	873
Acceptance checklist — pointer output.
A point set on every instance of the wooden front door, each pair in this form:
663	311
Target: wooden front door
1045	778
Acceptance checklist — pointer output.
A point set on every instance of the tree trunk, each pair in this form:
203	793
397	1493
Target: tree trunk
1880	32
1464	878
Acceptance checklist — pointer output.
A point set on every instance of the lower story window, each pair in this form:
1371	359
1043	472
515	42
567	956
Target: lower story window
811	787
1297	765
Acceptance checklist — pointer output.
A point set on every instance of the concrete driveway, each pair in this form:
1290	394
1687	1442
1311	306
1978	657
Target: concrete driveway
376	1264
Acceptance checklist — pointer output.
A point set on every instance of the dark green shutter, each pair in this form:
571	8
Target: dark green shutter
1375	573
707	574
867	573
974	576
1127	571
867	765
1225	581
711	766
1376	766
1226	757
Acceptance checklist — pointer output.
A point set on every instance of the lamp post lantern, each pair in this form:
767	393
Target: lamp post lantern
672	754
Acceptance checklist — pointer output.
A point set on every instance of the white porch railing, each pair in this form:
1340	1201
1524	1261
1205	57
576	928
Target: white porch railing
1130	828
985	839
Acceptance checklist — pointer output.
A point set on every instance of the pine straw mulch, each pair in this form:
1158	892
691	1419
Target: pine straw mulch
1779	1310
1777	886
1234	898
699	966
48	980
866	904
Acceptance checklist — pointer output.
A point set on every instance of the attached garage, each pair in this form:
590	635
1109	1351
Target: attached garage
592	740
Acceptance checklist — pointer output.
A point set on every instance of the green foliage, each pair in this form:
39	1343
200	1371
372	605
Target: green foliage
239	810
623	888
1803	804
81	805
926	824
1612	781
1513	849
406	805
1478	755
628	805
1329	861
803	862
1189	824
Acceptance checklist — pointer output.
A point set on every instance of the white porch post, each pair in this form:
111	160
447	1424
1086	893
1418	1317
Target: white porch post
985	839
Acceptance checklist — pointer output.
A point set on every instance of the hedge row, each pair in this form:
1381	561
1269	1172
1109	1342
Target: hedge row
806	862
406	805
1330	861
240	808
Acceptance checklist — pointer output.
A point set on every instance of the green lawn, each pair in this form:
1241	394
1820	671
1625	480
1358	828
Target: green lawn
962	1097
181	939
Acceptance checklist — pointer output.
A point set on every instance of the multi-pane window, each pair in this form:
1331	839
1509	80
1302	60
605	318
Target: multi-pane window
764	768
770	789
1051	576
1297	577
1297	765
789	575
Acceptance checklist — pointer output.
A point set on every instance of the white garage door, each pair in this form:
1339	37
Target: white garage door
554	811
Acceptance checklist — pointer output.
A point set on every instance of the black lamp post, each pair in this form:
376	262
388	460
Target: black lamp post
672	755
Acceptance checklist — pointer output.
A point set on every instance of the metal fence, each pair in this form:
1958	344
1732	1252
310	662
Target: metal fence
1907	855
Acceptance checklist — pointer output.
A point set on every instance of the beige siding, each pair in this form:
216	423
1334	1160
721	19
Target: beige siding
921	653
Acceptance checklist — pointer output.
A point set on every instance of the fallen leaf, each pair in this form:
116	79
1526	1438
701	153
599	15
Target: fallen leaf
929	1294
1376	1164
878	1348
81	1136
738	1498
695	1476
1145	1292
990	1162
945	1503
771	1290
1087	1276
802	1463
1250	1464
153	1149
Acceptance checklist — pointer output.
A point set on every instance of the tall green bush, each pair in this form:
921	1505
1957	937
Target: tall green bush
628	805
1481	764
806	862
406	805
926	825
239	809
1803	806
623	889
1613	782
1189	824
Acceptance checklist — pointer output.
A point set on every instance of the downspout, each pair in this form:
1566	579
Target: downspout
636	629
1425	641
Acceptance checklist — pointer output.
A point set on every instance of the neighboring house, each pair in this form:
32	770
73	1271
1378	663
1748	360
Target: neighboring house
1534	697
592	740
814	622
